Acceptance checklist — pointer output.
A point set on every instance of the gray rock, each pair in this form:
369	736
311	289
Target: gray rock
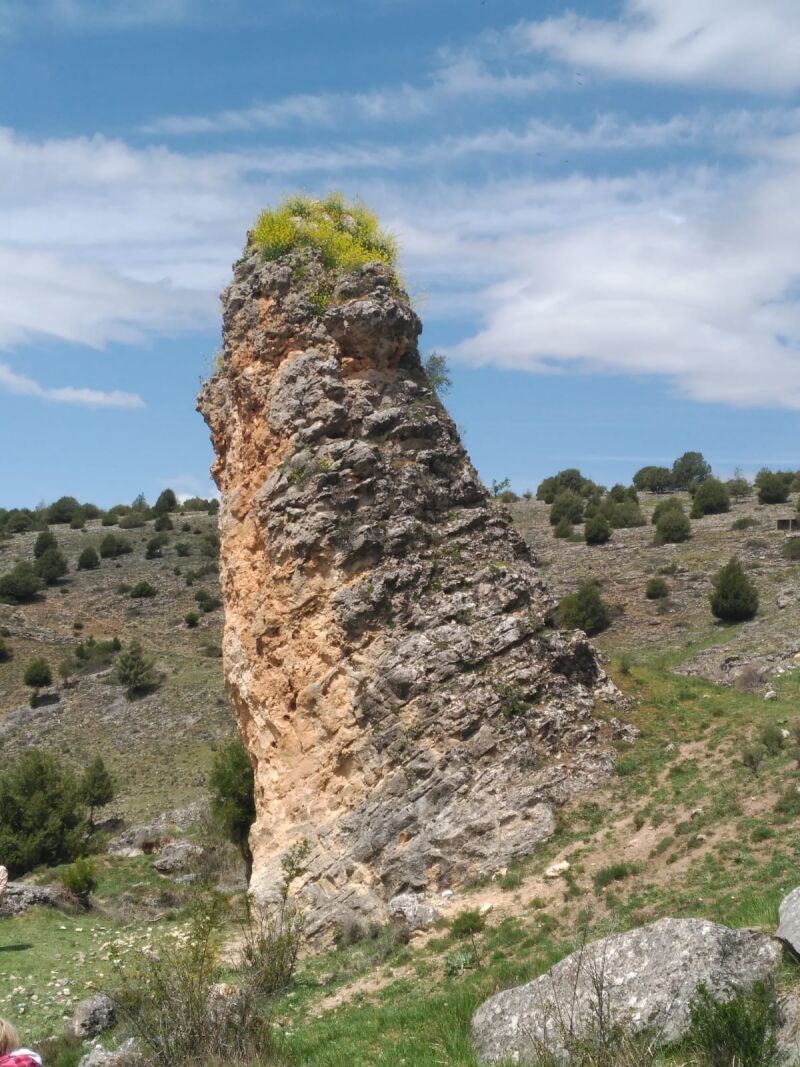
19	897
93	1015
644	979
148	837
125	1055
413	910
177	856
789	921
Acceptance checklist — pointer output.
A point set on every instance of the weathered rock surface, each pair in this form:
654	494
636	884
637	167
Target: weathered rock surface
19	897
177	856
789	921
125	1056
413	910
93	1015
644	980
407	704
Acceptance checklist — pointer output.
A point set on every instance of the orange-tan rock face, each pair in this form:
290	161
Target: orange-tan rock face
407	705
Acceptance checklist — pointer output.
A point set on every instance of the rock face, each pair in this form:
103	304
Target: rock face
789	921
19	896
93	1015
408	707
643	980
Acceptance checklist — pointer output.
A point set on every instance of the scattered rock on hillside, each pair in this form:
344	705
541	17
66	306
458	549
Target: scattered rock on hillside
648	978
19	897
93	1015
150	836
789	921
177	856
413	910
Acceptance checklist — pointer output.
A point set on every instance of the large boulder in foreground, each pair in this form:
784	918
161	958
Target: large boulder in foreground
409	708
644	980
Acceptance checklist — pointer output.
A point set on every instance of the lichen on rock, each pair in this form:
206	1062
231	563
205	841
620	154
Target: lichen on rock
408	706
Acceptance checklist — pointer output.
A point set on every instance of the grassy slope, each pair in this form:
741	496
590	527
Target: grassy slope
691	831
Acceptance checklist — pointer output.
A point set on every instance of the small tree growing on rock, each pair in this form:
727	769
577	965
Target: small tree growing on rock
734	598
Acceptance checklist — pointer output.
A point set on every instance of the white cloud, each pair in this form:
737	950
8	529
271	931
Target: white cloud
733	45
21	385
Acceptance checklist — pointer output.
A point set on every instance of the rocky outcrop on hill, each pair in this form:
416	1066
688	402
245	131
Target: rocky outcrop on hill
408	706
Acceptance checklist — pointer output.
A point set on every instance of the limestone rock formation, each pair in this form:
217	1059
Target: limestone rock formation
640	981
408	706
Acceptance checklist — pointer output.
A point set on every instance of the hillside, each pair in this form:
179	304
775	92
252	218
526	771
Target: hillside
157	746
683	828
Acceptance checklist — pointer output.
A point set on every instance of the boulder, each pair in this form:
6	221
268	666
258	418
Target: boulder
789	921
94	1015
177	856
18	897
127	1054
644	980
413	910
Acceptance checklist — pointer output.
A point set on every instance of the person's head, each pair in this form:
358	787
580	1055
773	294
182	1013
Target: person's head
9	1039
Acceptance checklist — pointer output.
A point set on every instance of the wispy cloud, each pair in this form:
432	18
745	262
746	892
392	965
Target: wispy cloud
93	15
750	46
457	76
21	385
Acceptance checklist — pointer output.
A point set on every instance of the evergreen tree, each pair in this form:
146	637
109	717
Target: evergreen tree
45	541
585	610
97	787
51	566
135	670
166	502
597	530
88	560
232	797
37	676
20	584
710	498
734	598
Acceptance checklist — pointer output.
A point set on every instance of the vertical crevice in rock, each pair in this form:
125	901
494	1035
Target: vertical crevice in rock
408	707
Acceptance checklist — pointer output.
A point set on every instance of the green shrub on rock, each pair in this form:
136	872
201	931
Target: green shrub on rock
584	610
734	598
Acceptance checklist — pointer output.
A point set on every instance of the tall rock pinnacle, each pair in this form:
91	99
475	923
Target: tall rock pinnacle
409	709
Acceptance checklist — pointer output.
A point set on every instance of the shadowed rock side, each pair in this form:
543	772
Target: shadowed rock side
408	708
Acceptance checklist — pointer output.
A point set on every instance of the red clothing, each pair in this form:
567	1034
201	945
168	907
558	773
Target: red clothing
20	1059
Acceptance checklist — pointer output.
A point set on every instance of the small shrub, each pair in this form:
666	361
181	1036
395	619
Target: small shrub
191	618
741	1030
772	487
746	522
154	547
112	546
163	523
567	505
673	527
88	560
206	602
51	566
45	541
656	589
467	923
788	803
710	498
668	569
135	670
80	879
734	598
134	520
347	235
791	550
38	674
182	549
142	590
585	610
97	787
597	530
232	790
563	528
615	873
771	738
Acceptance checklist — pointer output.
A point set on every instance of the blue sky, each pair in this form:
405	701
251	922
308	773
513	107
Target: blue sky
596	207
